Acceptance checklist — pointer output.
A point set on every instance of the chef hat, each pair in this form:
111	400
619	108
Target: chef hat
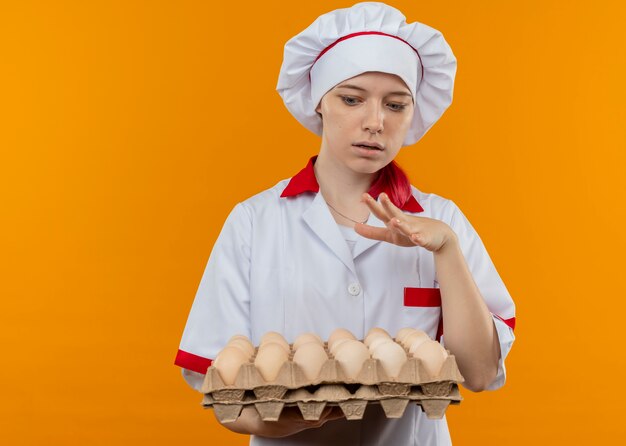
369	36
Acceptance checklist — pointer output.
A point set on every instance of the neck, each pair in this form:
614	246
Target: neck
342	188
339	184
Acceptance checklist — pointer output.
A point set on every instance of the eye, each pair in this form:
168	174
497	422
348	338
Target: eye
349	100
397	107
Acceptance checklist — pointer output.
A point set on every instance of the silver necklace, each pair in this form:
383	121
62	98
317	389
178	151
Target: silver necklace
345	216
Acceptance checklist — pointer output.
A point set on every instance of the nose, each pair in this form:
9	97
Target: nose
373	119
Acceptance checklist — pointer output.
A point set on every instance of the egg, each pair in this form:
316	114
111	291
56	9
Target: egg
306	338
404	332
244	346
391	356
286	348
337	345
240	336
272	336
379	340
378	330
269	359
432	355
410	339
417	343
340	333
228	362
310	357
273	344
351	355
376	333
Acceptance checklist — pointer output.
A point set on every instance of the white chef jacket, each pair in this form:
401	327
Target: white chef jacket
282	264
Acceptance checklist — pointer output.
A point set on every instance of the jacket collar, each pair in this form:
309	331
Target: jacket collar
305	181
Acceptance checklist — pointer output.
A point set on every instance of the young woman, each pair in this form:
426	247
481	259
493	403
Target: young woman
348	242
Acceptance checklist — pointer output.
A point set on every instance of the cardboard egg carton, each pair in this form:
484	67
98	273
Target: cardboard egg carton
332	387
312	402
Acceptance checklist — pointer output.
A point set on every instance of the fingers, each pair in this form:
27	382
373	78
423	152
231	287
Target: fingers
399	220
405	229
373	232
317	423
331	413
336	413
326	415
399	230
418	239
385	210
383	234
375	207
327	410
389	207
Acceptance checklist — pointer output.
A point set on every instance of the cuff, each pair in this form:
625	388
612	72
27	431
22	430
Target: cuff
193	362
506	338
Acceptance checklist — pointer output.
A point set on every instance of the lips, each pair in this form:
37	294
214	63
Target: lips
369	145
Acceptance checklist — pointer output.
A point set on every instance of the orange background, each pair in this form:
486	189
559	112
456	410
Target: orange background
129	129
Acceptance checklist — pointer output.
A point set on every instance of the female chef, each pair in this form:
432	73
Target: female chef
348	242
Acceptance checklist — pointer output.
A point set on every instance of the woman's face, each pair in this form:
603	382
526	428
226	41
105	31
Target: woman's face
371	108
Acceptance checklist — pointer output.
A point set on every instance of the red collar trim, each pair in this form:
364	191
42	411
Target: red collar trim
305	181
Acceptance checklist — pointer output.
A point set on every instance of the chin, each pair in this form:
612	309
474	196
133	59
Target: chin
367	166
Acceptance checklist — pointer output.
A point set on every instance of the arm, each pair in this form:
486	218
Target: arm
220	310
471	331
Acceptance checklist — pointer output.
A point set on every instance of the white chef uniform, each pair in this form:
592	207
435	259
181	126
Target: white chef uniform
282	264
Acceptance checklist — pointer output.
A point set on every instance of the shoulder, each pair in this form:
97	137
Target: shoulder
264	200
259	208
435	206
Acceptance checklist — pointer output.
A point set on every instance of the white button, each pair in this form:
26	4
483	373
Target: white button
354	289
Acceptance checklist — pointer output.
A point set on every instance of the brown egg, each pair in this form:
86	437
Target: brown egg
351	355
338	343
411	338
417	343
379	340
269	359
244	346
372	335
272	336
240	336
432	355
228	362
285	347
378	330
404	332
391	356
310	357
306	338
340	333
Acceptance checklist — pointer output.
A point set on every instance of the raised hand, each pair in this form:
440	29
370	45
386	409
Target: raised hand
404	229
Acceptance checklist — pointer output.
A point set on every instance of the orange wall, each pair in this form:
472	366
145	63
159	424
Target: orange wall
129	129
